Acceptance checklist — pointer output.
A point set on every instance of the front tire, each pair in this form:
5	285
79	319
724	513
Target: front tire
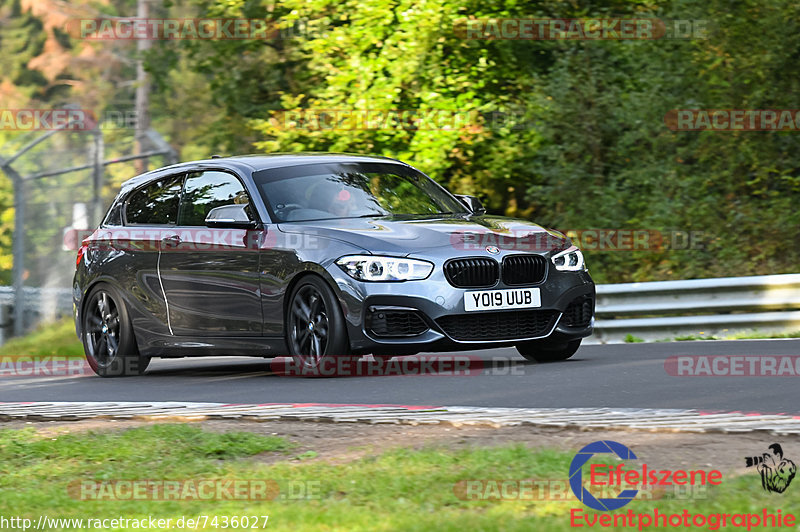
107	334
315	326
543	351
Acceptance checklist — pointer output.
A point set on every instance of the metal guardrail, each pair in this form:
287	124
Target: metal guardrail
40	304
702	307
40	298
650	311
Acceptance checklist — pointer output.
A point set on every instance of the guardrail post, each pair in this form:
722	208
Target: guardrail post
18	251
5	323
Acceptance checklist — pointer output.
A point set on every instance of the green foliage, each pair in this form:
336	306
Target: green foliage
587	148
51	339
607	146
590	149
693	338
167	445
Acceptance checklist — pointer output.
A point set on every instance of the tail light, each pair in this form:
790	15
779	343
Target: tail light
81	251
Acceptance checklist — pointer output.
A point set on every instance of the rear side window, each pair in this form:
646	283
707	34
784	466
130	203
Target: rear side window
156	203
114	216
204	191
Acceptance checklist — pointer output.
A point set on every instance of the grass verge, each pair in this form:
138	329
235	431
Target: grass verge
401	489
750	335
51	339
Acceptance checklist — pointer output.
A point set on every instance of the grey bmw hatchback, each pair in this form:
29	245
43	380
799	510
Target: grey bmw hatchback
317	256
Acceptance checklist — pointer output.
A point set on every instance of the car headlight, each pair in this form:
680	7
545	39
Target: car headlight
570	260
373	268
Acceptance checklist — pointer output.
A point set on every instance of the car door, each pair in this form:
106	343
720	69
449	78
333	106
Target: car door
148	212
210	274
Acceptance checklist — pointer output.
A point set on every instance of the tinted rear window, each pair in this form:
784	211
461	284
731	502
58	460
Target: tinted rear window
114	216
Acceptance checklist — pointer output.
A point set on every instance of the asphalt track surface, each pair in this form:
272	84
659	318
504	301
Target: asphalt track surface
626	375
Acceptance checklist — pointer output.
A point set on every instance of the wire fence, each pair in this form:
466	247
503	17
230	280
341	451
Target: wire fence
63	181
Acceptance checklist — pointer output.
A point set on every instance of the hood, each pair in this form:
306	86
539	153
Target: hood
404	235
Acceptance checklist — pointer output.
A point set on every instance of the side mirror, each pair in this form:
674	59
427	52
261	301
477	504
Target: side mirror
473	204
231	217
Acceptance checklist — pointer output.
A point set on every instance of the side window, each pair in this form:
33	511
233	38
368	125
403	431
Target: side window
205	190
155	203
114	216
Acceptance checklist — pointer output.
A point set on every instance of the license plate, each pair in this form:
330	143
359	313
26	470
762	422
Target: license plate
502	299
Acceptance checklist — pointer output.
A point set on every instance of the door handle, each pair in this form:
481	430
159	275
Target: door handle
171	241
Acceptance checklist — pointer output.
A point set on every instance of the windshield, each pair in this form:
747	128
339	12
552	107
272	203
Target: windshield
330	191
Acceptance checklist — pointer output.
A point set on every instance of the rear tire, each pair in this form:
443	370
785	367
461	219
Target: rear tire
315	327
107	333
543	351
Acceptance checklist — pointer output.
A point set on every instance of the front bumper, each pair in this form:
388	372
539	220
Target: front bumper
447	326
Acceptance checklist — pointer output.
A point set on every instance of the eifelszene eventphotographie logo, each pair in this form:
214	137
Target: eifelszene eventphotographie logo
776	471
576	476
626	477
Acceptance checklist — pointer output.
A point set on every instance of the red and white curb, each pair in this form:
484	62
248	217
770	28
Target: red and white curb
657	420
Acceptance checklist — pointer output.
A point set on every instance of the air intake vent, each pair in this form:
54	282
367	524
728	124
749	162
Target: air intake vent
395	323
489	326
579	312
